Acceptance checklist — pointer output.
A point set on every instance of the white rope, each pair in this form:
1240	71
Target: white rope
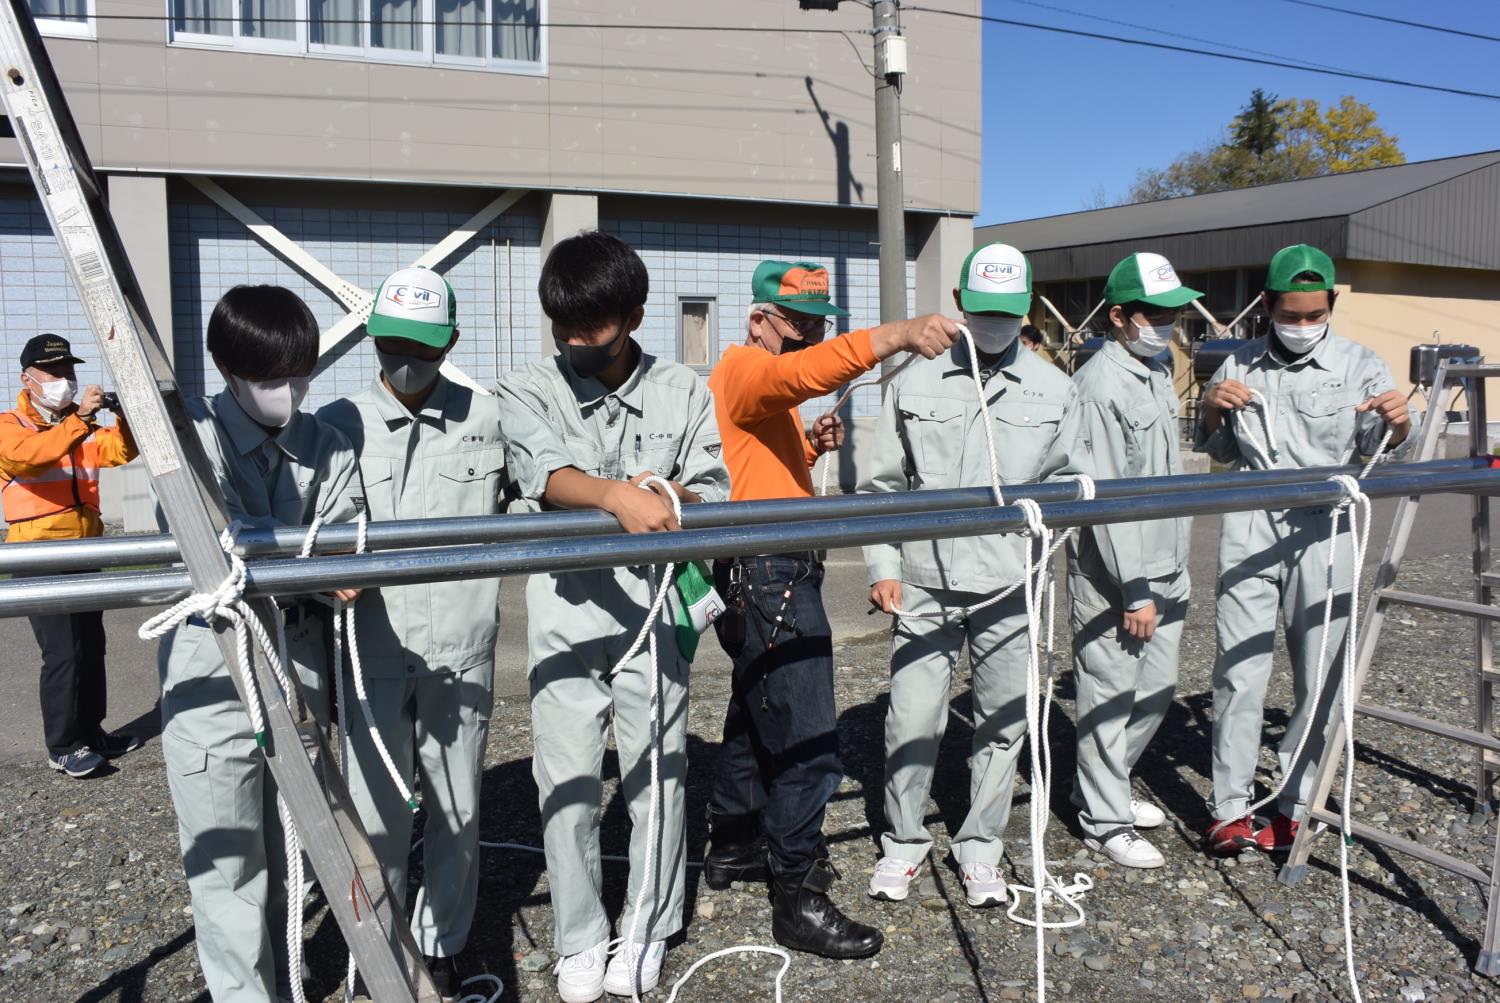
1266	452
873	381
1359	539
227	602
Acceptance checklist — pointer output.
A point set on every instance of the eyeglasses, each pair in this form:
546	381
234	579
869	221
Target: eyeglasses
808	325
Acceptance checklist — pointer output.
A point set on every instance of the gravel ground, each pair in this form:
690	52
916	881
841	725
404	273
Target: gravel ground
95	907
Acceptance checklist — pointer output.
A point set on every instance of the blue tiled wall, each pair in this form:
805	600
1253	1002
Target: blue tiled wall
495	285
38	296
708	259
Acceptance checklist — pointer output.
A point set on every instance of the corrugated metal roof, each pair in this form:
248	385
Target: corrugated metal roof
1328	197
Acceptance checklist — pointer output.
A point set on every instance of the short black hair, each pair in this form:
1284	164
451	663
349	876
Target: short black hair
1031	333
263	333
1131	309
1271	295
591	280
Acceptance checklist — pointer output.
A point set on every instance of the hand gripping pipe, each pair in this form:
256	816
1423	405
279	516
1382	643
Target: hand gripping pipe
1170	499
57	556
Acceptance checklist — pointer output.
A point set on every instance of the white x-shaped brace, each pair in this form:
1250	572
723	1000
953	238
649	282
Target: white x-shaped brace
355	299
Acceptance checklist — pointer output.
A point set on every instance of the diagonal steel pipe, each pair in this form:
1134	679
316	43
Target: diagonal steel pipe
70	593
56	556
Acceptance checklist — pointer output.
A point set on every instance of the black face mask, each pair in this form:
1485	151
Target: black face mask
792	344
591	360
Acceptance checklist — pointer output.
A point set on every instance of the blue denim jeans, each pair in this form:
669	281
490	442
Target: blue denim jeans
780	755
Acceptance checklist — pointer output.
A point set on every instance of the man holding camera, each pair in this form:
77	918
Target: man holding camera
51	451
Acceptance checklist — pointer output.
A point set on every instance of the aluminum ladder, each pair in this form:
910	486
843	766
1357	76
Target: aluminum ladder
1483	611
373	923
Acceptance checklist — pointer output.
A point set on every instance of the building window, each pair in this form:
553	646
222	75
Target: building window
72	18
505	35
697	331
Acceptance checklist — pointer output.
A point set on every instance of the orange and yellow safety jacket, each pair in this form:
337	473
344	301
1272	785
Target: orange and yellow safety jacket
49	473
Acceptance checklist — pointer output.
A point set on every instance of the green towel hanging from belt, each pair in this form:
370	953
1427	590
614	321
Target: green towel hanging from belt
696	605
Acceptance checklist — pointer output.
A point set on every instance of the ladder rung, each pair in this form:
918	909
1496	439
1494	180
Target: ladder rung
1411	848
1416	723
1475	369
1439	604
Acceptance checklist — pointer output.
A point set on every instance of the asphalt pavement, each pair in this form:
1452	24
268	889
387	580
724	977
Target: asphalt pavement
1443	529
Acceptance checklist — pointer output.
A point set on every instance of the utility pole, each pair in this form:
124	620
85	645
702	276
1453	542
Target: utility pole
890	199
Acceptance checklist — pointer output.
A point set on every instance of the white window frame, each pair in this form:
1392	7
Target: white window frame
57	28
426	56
713	332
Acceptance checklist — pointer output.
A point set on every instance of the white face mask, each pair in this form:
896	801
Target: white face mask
407	373
1299	339
270	402
1153	340
993	335
54	395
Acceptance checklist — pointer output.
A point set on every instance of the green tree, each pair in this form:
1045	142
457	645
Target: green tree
1273	140
1257	128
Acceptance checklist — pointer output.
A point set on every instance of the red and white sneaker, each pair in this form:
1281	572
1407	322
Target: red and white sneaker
1228	837
1279	835
891	881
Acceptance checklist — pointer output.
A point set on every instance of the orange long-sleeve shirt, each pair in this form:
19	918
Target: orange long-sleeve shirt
756	398
26	453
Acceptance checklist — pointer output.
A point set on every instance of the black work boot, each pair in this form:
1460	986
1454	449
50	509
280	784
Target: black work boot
736	849
445	977
804	918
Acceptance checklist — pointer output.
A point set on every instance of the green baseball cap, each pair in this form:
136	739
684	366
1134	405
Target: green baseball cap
995	278
1147	278
1291	262
797	285
416	304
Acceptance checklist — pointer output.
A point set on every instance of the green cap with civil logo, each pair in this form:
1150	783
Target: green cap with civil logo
797	285
1147	278
995	278
416	304
1293	261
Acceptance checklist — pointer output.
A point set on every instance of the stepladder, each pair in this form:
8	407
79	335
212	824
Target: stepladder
296	749
1481	611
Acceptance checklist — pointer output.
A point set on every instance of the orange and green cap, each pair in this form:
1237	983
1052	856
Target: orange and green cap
797	285
1291	262
416	304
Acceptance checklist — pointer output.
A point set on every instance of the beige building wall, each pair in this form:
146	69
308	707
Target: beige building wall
778	115
1390	308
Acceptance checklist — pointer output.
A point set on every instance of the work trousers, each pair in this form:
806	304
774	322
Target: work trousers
73	688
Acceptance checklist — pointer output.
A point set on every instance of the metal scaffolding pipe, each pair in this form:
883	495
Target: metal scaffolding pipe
56	556
71	593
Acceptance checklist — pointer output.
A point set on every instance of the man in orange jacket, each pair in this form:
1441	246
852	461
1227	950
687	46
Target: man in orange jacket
51	449
779	762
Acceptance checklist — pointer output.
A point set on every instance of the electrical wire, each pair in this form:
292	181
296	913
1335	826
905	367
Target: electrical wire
1255	60
1396	20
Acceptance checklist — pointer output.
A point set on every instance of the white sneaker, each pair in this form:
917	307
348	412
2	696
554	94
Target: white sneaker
1147	815
1128	848
984	885
892	879
580	977
624	964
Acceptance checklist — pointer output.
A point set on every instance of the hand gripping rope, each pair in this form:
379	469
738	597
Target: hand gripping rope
227	602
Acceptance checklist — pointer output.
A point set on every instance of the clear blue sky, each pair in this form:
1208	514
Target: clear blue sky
1065	117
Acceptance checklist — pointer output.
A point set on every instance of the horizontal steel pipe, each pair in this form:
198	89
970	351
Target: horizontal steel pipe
54	556
321	574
